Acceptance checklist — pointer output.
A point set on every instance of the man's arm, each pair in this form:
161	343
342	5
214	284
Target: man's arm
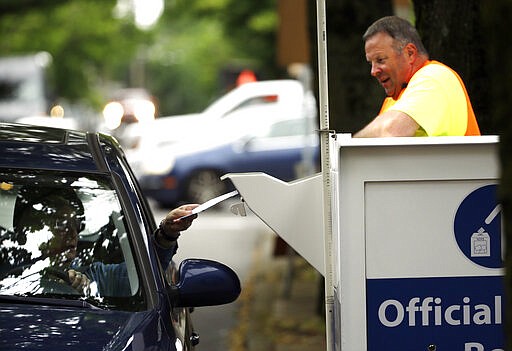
167	234
171	226
389	124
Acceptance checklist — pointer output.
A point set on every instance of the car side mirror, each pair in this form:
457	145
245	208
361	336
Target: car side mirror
204	283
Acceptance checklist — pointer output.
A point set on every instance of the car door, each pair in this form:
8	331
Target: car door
278	151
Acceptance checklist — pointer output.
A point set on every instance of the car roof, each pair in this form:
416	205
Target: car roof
38	147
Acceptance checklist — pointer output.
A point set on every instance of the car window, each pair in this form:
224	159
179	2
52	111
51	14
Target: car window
262	100
51	223
285	128
291	127
294	134
9	90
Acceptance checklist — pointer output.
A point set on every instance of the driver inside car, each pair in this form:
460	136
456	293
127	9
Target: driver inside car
51	219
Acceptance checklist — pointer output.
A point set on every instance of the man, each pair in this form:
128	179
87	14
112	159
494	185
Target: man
112	279
424	97
49	221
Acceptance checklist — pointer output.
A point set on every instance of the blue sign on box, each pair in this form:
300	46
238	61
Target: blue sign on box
477	227
447	313
455	313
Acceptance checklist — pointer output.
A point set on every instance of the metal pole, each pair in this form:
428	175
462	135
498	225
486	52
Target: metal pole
325	134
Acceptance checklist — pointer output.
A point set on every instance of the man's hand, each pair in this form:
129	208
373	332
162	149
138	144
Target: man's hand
172	225
79	281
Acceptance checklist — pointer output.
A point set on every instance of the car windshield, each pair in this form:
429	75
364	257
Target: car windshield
53	223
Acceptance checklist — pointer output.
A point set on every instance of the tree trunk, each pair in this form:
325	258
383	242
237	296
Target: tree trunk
354	96
451	32
496	26
471	36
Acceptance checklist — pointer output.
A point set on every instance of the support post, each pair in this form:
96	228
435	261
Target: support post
325	134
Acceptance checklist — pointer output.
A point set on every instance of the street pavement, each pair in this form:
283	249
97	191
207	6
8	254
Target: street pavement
279	308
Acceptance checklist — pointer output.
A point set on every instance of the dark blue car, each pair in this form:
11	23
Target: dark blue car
69	202
190	171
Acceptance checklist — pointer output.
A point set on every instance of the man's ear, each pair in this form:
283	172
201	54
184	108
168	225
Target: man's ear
411	51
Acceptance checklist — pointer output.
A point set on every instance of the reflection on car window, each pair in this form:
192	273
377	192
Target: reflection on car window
51	224
262	100
288	128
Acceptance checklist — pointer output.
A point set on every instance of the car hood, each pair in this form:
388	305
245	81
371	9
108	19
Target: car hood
43	328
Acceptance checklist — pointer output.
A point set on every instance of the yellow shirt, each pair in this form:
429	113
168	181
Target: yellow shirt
435	99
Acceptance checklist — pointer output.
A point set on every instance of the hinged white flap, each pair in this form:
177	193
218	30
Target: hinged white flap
292	210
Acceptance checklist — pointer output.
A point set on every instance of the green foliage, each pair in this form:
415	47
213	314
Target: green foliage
86	42
189	58
183	64
200	45
252	27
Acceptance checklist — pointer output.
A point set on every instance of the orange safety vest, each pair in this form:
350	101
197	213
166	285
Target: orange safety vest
472	125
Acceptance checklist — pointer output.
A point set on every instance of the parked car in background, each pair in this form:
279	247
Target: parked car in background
24	86
272	100
49	121
190	171
69	200
129	106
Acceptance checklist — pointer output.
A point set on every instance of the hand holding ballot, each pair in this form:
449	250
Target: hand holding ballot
208	204
181	218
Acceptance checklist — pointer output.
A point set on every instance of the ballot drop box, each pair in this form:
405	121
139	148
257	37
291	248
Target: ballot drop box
419	244
416	250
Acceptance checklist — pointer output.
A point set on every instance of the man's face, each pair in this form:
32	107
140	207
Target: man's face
391	68
64	242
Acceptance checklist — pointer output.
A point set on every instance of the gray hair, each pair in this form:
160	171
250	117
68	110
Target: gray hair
401	30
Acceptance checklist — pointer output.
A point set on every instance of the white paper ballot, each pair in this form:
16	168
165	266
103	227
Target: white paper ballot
210	203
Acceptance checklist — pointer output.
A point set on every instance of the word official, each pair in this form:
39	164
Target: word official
430	311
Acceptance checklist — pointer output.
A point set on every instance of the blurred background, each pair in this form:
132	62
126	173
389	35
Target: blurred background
173	57
152	72
159	58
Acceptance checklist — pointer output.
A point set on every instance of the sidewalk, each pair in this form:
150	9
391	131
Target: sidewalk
274	315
